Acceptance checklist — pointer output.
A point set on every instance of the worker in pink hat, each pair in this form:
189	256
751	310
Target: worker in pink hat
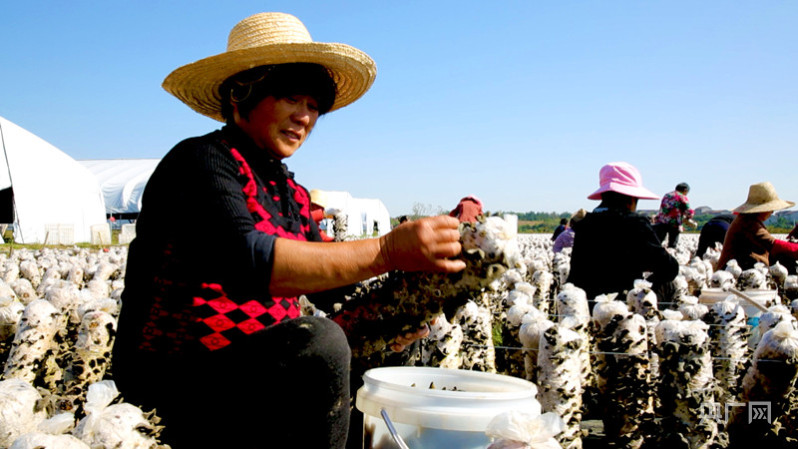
613	245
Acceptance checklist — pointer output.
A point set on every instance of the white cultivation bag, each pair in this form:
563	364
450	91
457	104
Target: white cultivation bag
521	430
112	426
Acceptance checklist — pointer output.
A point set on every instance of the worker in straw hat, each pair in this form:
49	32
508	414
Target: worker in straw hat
318	211
566	237
210	334
748	241
613	245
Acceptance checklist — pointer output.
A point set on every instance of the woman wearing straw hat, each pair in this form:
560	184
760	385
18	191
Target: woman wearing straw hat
318	212
613	245
566	237
748	240
210	333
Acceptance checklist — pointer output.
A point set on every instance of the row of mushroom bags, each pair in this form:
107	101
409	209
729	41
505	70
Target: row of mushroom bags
656	368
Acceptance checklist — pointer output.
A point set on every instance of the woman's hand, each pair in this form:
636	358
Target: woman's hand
426	244
403	341
423	245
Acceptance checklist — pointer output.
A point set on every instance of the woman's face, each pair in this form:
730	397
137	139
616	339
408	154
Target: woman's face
280	125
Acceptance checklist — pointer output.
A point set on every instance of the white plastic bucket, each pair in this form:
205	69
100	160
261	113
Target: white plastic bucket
765	298
454	412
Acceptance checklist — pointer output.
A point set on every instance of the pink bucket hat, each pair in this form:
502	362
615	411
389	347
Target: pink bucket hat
472	198
622	178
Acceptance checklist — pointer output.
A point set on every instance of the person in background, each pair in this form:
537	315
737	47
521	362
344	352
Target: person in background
566	238
210	332
613	245
713	232
748	241
403	219
318	208
674	213
468	209
559	229
793	235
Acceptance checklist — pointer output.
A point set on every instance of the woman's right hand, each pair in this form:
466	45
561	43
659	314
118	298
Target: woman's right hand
426	244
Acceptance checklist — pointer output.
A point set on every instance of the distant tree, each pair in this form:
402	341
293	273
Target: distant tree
545	222
775	225
780	225
426	210
539	222
701	220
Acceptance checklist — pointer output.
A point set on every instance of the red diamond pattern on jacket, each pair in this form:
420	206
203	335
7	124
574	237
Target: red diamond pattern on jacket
253	308
277	310
222	304
293	310
251	325
219	323
214	341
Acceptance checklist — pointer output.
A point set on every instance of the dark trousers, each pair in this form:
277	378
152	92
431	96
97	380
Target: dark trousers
287	386
672	232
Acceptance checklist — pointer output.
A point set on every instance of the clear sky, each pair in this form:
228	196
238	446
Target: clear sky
517	102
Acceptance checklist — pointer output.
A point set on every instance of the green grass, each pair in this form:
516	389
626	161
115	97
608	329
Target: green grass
10	246
497	334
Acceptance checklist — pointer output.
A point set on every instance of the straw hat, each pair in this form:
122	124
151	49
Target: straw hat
762	198
623	178
318	198
265	39
578	215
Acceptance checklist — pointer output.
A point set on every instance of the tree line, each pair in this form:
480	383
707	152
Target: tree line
546	222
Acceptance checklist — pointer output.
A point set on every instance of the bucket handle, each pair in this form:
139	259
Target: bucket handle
396	437
749	299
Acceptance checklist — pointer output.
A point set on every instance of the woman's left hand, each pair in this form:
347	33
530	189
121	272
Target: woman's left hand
402	341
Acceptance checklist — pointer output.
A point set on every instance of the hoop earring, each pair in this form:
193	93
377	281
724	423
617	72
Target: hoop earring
240	97
261	72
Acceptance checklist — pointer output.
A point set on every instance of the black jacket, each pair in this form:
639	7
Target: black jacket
212	210
614	248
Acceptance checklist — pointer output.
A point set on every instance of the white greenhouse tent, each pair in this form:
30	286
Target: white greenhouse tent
122	182
45	195
364	215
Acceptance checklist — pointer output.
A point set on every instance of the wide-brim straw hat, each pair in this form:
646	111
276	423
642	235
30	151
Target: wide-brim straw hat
318	198
578	215
266	39
623	178
762	197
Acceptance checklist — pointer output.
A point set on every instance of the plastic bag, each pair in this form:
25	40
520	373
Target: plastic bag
118	426
521	430
59	424
38	440
18	412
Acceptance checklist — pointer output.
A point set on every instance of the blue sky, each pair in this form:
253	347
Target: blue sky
517	102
